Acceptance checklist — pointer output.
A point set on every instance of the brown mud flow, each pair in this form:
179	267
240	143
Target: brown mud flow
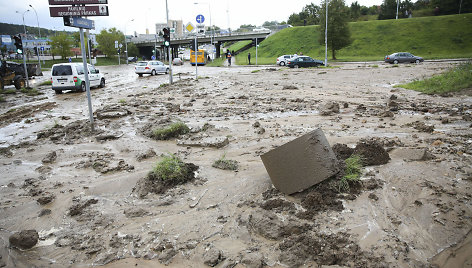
99	198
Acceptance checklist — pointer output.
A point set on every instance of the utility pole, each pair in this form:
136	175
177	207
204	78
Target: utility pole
398	3
168	48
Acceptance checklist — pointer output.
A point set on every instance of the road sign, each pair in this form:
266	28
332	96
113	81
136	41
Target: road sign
116	44
79	22
172	30
77	2
121	45
189	27
200	18
42	48
75	11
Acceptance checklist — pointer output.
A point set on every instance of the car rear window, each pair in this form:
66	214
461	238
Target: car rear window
61	70
142	63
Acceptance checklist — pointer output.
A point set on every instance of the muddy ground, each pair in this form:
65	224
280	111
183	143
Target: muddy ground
78	188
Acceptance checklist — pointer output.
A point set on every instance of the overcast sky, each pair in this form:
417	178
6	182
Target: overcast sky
148	12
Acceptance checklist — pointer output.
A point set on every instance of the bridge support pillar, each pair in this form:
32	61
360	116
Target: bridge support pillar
218	48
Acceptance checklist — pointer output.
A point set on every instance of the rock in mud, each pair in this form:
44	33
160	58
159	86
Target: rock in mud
109	136
145	155
111	111
46	198
25	239
253	260
267	224
371	153
329	108
50	157
215	142
212	257
44	212
78	209
288	87
135	212
342	151
421	126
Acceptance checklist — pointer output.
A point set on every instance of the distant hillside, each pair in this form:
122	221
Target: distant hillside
430	37
14	29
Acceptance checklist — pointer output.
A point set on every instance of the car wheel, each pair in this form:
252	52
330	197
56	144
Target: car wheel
58	91
395	62
296	66
83	88
167	70
153	72
20	83
2	84
102	83
417	61
282	63
140	75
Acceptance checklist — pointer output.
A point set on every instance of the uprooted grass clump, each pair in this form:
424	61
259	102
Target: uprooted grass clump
168	172
173	130
352	174
225	164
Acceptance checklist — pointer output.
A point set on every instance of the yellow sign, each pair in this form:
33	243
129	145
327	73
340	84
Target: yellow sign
189	27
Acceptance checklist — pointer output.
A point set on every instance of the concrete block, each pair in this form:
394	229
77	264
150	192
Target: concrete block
301	163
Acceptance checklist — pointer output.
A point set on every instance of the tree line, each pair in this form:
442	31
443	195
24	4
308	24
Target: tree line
311	13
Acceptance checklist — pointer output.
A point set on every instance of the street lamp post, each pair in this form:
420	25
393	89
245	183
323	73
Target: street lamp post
398	3
23	52
39	32
326	35
126	41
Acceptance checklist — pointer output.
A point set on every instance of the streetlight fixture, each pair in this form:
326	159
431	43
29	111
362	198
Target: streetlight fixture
39	33
126	41
23	52
212	31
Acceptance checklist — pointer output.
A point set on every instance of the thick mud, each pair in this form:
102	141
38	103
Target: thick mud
87	194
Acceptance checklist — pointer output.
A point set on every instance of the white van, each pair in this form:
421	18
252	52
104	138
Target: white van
70	76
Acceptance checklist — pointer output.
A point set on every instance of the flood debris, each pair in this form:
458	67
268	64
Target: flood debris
50	157
329	108
413	154
111	111
301	163
226	164
25	239
167	173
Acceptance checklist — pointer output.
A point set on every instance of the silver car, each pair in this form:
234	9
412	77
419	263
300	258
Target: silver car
282	60
399	57
150	67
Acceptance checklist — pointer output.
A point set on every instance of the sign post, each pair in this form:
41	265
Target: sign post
72	17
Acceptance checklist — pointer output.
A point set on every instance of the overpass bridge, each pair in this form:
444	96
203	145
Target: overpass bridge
146	43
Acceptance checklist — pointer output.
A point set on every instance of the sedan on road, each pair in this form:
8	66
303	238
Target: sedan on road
282	60
399	57
150	67
303	61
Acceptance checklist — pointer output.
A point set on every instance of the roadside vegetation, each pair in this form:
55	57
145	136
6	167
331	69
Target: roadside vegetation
225	164
372	40
456	79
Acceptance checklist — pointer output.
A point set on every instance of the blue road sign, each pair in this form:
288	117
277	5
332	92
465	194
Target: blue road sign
42	48
200	18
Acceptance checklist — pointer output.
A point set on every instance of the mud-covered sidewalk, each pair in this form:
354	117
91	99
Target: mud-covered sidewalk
85	196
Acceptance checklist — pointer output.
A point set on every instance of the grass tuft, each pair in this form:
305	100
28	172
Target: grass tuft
8	91
170	167
456	79
173	130
225	164
30	92
46	83
352	174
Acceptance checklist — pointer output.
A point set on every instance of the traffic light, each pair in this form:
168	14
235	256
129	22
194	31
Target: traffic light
192	45
36	51
166	36
18	44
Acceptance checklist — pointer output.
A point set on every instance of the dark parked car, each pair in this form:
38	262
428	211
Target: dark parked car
402	57
303	61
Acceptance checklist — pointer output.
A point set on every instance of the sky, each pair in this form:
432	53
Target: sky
139	15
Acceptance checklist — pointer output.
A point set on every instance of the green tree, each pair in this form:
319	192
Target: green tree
4	51
310	15
388	10
61	45
339	35
106	41
132	50
355	11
